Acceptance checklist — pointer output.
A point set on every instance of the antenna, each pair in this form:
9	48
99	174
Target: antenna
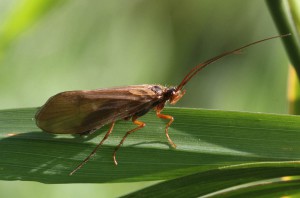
199	67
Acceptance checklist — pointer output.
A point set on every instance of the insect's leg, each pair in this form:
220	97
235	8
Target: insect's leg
95	149
171	119
140	125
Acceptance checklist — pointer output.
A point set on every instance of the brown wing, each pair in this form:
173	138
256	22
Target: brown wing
80	111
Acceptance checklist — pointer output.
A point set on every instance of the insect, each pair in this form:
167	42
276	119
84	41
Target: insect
83	112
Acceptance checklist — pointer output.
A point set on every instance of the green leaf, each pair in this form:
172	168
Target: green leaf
206	140
286	15
286	18
226	182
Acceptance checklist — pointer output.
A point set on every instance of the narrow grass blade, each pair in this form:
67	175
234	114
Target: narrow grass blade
206	140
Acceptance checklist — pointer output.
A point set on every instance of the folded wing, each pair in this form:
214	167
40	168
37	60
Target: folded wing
81	111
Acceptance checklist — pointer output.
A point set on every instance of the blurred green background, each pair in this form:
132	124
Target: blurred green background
56	45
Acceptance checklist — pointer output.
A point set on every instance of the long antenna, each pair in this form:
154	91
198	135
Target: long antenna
199	67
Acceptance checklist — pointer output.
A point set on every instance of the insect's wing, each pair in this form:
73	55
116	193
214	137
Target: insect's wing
81	111
65	112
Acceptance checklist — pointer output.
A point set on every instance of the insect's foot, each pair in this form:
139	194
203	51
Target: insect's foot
174	146
115	161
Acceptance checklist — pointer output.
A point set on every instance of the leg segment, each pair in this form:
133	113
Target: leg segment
140	125
95	149
171	119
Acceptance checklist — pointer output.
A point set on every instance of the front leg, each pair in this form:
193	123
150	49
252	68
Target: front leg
171	119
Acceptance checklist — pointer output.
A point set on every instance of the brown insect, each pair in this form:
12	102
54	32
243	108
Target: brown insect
83	112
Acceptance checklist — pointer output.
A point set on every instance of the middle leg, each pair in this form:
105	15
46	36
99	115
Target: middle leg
140	125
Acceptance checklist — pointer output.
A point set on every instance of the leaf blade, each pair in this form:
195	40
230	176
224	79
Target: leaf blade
206	139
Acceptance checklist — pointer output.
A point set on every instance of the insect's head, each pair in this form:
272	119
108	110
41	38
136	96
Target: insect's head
174	95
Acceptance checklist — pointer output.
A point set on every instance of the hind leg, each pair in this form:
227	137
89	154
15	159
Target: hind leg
95	149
